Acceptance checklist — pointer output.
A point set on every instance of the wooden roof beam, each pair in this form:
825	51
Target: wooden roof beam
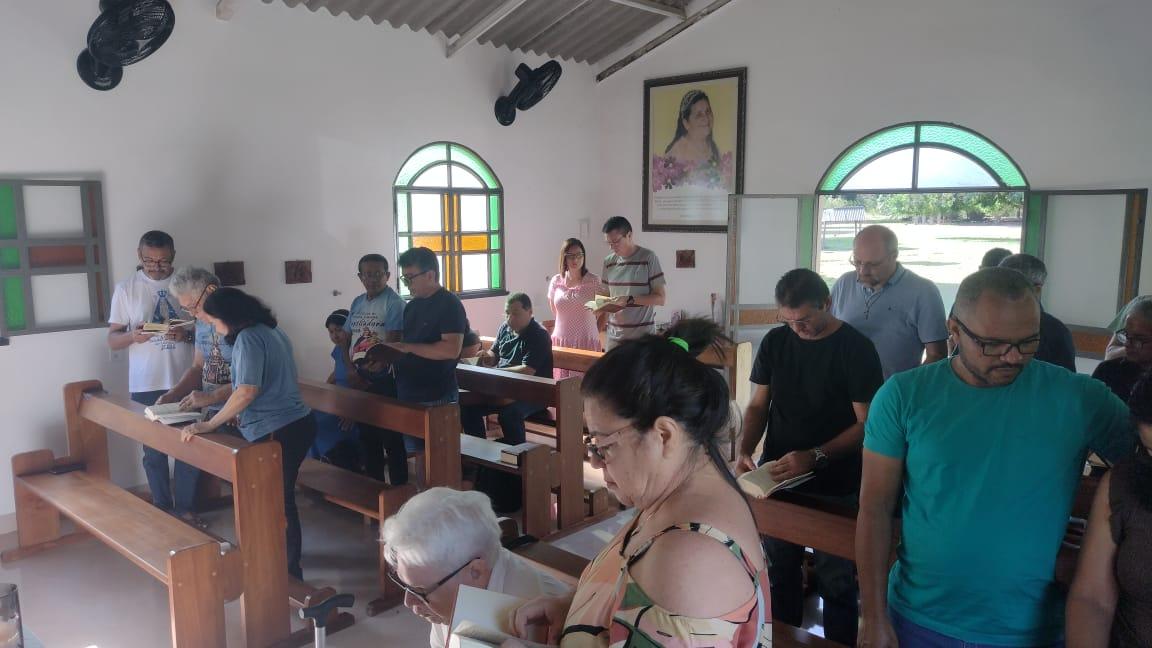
660	40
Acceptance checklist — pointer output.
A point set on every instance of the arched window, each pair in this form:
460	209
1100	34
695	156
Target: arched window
923	156
448	199
948	192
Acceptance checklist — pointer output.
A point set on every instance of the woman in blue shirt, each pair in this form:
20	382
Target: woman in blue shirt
265	395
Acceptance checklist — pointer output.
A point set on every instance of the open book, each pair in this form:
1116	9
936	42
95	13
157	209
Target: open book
759	483
162	328
603	303
481	619
170	414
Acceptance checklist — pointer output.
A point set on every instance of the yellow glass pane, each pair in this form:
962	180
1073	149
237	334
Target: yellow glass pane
474	243
434	243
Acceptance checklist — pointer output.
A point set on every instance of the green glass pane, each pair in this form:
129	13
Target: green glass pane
9	258
419	160
494	213
497	278
7	212
401	212
494	242
977	147
1035	220
864	149
478	166
14	304
805	232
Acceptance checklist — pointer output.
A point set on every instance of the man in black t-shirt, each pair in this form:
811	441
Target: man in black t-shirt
814	379
434	328
521	346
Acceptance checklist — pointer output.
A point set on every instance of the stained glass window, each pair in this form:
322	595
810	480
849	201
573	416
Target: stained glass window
51	256
448	200
923	156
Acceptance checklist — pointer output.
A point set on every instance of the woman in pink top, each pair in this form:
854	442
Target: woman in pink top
567	293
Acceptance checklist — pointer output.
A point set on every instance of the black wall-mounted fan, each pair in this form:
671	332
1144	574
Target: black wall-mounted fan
125	32
533	86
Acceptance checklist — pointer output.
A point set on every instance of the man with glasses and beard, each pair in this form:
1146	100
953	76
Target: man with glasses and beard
982	453
900	311
632	276
156	361
442	539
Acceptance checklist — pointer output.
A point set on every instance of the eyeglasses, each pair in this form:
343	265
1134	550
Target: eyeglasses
423	595
569	257
192	310
1131	341
600	450
613	242
371	275
795	322
998	348
868	265
407	279
156	263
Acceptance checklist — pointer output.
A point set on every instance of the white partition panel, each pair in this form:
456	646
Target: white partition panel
763	234
1083	247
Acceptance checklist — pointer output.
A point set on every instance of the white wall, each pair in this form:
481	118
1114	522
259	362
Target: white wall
1061	85
271	137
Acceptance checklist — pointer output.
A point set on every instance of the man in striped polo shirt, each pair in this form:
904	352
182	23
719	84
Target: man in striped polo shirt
633	278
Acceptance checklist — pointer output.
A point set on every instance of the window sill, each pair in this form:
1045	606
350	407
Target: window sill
480	294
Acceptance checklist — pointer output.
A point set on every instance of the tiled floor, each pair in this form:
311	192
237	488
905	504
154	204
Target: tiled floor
85	594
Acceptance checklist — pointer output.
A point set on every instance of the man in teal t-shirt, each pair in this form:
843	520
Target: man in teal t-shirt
983	452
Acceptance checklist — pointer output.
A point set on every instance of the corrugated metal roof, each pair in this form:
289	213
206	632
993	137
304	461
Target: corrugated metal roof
580	30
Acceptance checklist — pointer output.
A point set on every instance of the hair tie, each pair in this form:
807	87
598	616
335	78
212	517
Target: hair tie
680	342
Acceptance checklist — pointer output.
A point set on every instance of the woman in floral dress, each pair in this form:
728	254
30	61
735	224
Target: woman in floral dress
568	291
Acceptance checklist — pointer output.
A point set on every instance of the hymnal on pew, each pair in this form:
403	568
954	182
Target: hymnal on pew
480	619
511	454
170	414
759	483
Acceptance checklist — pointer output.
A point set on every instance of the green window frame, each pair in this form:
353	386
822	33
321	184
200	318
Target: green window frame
26	255
448	199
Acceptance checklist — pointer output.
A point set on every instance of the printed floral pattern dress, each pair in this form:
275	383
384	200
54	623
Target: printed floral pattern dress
575	325
610	610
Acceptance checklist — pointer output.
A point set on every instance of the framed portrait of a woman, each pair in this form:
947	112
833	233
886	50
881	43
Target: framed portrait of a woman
693	150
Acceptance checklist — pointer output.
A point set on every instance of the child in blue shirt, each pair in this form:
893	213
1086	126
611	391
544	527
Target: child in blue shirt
336	439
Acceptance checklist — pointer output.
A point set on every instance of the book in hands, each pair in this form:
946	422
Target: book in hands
481	619
759	483
162	328
170	414
603	304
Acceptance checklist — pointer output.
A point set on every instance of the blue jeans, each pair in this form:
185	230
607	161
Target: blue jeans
917	636
511	418
176	492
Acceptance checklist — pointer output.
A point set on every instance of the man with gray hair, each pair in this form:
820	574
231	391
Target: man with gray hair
1056	344
900	311
983	453
442	539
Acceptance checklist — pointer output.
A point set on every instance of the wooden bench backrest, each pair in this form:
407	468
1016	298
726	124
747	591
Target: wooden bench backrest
437	425
792	517
257	486
736	364
562	394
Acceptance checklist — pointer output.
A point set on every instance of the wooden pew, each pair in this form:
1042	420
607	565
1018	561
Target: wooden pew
564	396
534	469
257	567
438	426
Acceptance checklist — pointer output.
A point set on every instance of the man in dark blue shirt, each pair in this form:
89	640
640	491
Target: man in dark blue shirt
521	346
1056	344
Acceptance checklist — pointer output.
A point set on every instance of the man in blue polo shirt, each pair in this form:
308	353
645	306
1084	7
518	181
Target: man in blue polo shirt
983	453
900	311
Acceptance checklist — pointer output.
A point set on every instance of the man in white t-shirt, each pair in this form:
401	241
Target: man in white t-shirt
442	539
155	362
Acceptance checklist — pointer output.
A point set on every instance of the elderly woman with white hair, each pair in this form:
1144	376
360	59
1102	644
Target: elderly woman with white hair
442	539
208	381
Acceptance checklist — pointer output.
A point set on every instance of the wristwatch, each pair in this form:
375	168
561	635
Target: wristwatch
821	459
631	300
